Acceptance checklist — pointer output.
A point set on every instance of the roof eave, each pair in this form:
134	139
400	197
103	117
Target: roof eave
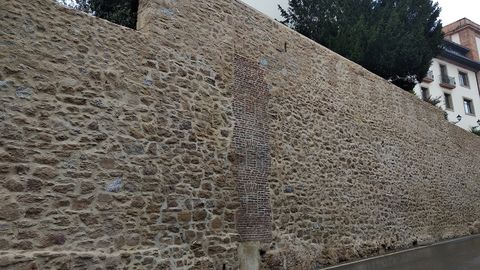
475	66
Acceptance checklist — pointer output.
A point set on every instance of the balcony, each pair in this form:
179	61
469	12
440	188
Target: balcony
448	82
429	78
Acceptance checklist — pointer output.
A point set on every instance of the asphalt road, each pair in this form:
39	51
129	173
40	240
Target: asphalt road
461	254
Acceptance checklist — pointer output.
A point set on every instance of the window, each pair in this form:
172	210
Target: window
448	101
463	79
425	93
443	73
468	106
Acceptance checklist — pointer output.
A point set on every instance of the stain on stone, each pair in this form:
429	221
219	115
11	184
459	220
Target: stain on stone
269	88
5	227
13	186
98	103
130	187
100	137
148	82
24	92
75	100
186	125
53	239
289	189
210	81
4	85
93	125
150	169
167	11
10	212
263	62
70	164
28	26
134	149
68	83
114	186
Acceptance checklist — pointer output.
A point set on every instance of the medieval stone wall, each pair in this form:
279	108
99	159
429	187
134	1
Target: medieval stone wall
359	167
113	147
166	146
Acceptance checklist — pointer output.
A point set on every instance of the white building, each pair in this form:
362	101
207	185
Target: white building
453	79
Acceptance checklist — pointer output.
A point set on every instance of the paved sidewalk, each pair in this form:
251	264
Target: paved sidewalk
461	254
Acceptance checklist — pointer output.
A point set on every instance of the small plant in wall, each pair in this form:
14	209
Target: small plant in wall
475	130
445	114
433	100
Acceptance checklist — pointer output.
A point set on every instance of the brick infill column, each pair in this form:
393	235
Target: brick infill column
252	152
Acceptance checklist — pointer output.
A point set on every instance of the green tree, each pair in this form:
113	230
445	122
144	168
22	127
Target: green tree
123	12
475	131
396	39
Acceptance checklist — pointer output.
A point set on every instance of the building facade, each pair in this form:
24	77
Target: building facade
466	33
453	78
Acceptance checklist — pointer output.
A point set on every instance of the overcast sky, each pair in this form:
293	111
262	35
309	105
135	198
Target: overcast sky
452	10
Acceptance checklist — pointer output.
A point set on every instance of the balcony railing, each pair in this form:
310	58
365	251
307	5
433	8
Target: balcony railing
448	82
429	78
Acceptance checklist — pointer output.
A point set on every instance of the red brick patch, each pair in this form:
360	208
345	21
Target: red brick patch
252	152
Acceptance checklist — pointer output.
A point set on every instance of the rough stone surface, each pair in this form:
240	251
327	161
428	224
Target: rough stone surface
99	170
121	149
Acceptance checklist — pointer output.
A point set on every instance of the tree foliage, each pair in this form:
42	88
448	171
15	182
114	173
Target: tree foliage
434	100
123	12
395	39
475	131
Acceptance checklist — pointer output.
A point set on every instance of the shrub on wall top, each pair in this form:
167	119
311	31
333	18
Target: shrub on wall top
123	12
475	131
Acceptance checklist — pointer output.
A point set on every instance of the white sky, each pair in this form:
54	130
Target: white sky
452	10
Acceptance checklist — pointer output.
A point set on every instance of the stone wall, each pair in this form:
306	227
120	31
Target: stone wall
113	147
165	147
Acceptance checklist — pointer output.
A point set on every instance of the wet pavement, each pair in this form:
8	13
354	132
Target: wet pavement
461	254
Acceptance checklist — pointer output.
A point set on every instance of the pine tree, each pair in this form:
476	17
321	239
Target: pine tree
123	12
395	39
